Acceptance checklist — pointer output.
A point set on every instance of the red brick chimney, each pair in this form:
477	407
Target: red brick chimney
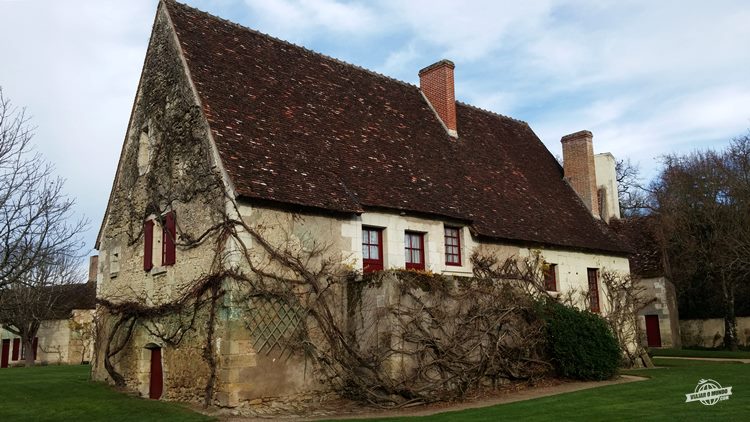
578	164
436	83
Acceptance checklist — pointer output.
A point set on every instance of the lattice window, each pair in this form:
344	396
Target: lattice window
273	324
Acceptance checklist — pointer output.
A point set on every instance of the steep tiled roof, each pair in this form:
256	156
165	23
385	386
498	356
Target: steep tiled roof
296	127
639	234
74	296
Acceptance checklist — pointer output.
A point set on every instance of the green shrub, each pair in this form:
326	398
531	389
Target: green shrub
580	343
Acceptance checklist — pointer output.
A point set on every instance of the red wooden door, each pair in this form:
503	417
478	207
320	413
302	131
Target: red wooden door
4	354
156	386
653	336
16	349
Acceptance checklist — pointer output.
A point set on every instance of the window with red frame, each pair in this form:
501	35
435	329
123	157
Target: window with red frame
414	250
550	278
372	249
593	276
452	246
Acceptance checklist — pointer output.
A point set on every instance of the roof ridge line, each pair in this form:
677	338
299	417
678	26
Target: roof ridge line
291	44
494	113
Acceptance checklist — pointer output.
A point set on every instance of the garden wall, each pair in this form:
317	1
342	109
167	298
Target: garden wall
710	332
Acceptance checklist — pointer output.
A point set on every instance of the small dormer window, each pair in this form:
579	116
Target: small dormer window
372	249
452	246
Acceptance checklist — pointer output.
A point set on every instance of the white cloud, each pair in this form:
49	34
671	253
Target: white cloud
469	31
646	77
645	129
298	18
75	68
399	60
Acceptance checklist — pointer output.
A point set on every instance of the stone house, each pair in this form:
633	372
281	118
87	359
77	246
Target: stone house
67	338
232	125
659	319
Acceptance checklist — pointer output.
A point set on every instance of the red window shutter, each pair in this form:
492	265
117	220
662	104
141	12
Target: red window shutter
16	347
168	240
4	352
593	276
148	245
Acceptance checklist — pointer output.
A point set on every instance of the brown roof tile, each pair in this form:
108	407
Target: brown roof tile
640	235
297	127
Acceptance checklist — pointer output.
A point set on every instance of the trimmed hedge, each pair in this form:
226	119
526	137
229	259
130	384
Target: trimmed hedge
580	343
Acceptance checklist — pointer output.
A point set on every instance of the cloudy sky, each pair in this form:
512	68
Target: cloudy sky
646	77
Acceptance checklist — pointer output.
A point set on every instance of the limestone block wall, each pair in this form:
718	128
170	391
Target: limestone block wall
59	343
663	303
167	164
81	343
710	332
178	174
54	342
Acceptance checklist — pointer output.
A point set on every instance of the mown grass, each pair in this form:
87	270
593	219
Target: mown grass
700	353
661	397
64	393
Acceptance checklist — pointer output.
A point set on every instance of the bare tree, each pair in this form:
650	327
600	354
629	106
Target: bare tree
703	204
39	246
34	212
630	191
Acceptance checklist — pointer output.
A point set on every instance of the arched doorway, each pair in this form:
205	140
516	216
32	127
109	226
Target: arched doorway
156	382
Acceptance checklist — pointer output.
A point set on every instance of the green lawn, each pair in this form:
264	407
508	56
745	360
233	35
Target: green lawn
64	393
691	353
660	398
56	393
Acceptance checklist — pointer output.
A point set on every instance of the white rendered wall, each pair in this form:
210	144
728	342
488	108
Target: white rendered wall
606	177
344	234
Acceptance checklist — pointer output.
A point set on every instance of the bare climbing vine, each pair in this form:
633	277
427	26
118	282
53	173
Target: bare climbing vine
626	297
393	338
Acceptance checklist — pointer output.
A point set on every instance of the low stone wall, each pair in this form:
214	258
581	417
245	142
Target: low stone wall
710	332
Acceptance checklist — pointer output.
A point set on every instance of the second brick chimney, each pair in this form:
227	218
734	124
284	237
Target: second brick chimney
578	165
436	83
